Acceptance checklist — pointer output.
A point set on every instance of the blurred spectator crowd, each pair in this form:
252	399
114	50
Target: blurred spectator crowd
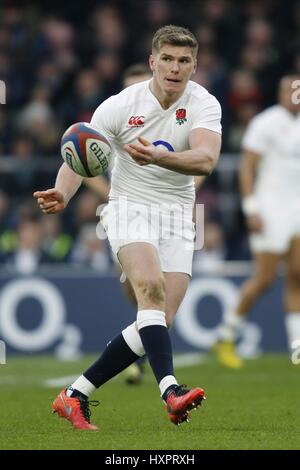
60	62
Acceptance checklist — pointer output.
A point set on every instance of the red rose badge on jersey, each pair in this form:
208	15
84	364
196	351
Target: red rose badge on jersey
180	116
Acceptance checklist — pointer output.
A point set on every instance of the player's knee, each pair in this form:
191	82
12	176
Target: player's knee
152	290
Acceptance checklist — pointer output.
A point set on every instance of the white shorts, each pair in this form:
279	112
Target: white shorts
171	232
281	223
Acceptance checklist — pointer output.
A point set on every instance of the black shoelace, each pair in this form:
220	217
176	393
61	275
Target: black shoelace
85	407
180	390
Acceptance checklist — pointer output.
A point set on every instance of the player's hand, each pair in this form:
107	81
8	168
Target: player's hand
144	153
254	223
50	201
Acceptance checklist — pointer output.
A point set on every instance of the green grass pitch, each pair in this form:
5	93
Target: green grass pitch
254	408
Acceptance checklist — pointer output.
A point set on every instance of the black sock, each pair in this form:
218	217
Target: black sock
157	344
141	363
115	358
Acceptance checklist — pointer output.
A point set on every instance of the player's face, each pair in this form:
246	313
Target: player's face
172	68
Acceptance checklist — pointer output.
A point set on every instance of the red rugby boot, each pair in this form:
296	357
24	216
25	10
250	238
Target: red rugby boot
180	401
74	409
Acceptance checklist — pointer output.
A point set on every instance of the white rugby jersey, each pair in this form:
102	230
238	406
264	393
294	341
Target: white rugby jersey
136	112
275	135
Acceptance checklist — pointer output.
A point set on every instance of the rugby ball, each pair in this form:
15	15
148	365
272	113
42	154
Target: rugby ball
86	151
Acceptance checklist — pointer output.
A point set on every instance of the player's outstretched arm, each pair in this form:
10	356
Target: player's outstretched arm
98	185
56	199
200	160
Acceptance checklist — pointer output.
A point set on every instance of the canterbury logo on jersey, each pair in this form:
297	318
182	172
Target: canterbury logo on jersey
136	121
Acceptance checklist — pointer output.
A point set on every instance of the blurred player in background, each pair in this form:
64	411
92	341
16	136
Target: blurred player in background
270	188
182	120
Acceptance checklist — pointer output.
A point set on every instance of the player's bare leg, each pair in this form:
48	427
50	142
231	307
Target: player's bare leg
141	264
292	294
176	287
266	268
129	292
152	289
